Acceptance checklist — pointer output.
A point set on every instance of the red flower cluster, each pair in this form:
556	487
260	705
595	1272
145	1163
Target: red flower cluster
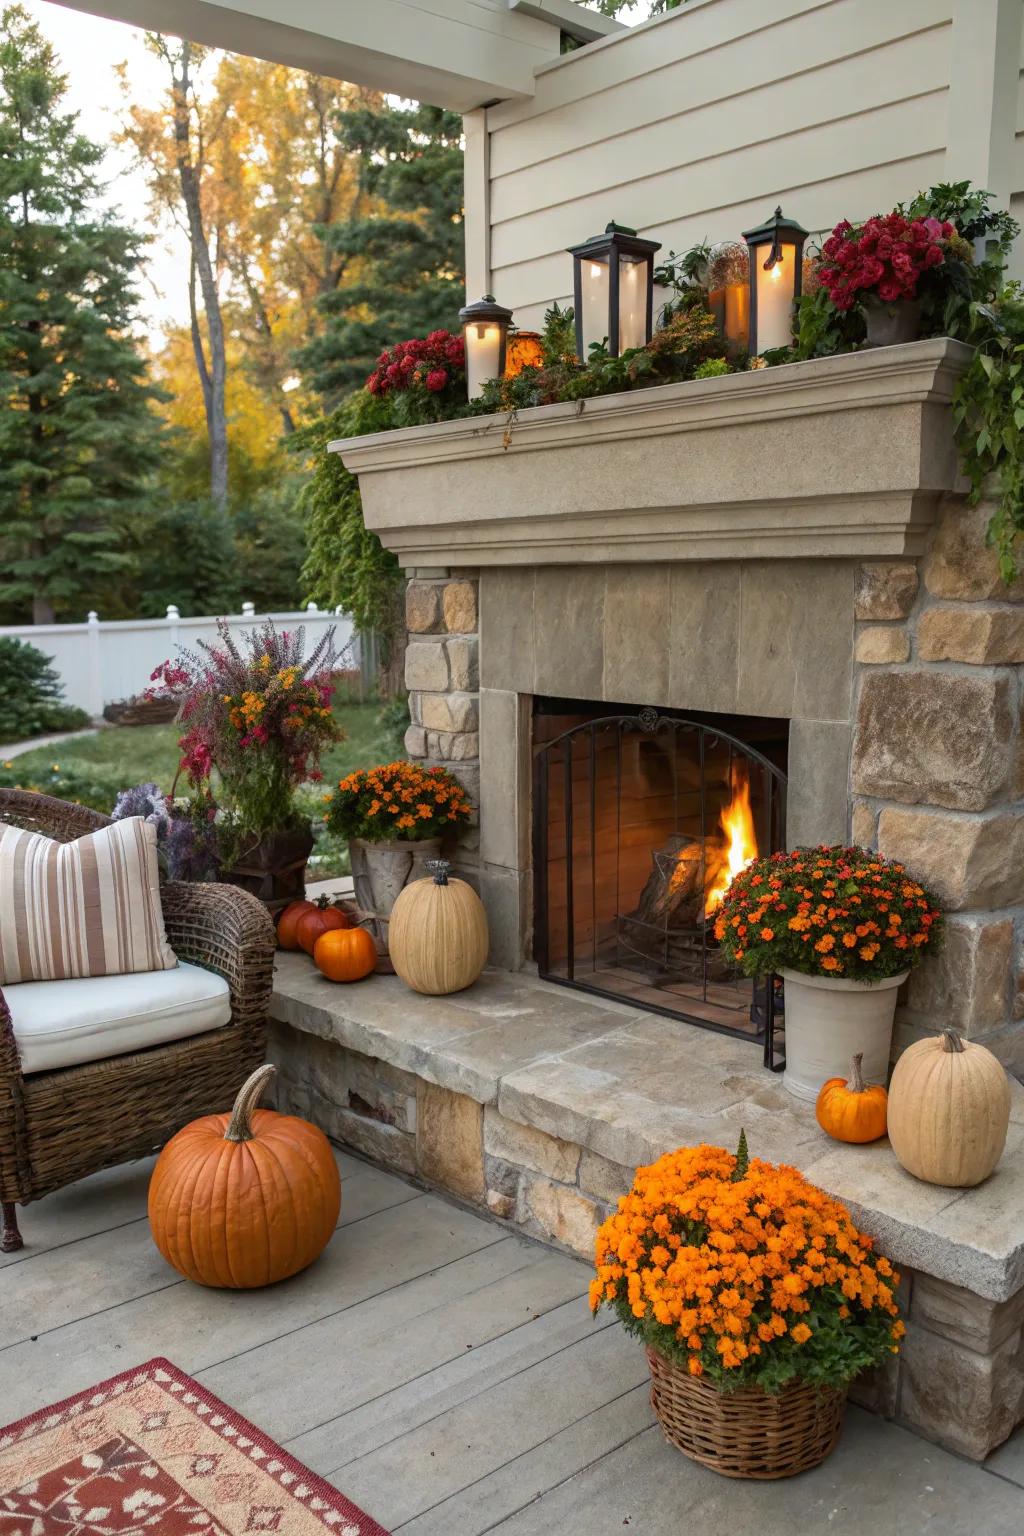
432	362
888	256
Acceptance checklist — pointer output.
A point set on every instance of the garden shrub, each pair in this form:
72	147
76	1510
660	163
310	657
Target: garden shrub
30	694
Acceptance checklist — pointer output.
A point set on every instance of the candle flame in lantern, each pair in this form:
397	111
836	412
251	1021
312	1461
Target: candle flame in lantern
740	849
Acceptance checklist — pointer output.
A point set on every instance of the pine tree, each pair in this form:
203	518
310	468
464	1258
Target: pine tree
77	437
408	259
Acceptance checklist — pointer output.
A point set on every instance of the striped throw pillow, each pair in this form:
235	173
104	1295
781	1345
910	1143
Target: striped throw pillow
87	908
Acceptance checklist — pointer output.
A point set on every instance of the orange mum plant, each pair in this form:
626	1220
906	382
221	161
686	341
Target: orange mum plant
397	801
827	912
746	1273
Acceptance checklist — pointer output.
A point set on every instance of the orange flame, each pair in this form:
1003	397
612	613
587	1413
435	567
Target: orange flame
740	848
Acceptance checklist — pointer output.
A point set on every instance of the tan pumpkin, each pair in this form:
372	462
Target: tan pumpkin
852	1111
949	1109
245	1199
437	936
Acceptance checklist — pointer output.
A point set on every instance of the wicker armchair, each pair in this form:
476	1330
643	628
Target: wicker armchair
59	1126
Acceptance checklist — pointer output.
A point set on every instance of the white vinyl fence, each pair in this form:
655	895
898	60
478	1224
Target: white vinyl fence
101	661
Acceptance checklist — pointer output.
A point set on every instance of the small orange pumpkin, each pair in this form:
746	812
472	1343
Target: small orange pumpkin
345	954
245	1199
322	918
852	1111
287	938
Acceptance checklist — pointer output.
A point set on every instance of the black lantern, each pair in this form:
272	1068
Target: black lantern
614	290
485	331
776	254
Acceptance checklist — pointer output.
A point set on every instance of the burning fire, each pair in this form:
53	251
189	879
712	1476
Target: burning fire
740	847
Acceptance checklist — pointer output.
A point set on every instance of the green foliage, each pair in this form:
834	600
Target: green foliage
187	557
270	545
822	330
988	418
30	694
347	565
407	259
77	435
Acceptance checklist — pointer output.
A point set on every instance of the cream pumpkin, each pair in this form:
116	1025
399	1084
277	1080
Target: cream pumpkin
245	1199
948	1111
437	937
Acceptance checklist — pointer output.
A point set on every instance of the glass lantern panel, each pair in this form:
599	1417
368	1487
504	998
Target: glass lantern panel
483	355
632	302
775	292
594	293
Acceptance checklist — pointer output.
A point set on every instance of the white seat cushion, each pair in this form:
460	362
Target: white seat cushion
65	1023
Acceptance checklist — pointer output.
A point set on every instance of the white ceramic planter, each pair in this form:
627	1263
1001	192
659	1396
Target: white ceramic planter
830	1019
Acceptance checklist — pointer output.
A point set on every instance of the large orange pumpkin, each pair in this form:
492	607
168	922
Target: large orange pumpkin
245	1199
852	1111
345	954
321	919
287	938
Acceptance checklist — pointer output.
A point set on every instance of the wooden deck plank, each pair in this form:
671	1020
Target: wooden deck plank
409	1475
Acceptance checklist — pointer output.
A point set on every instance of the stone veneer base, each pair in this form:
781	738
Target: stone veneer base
537	1104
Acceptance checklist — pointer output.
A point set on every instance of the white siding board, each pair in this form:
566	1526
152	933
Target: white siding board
873	81
797	165
698	26
529	286
856	30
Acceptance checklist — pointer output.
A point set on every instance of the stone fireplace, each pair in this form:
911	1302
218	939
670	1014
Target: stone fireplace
647	632
782	560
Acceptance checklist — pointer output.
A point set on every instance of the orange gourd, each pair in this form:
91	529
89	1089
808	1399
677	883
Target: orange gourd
852	1111
287	938
245	1199
345	954
321	919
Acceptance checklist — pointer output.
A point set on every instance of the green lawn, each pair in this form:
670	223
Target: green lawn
92	769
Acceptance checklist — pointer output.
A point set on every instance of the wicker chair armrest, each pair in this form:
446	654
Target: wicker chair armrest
15	1171
54	818
228	931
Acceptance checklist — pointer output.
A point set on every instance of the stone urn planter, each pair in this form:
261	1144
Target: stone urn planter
382	870
890	324
274	868
831	1019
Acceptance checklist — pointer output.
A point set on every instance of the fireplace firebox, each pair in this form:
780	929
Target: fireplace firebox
641	818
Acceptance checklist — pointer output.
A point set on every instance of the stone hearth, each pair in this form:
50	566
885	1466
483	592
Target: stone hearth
538	1105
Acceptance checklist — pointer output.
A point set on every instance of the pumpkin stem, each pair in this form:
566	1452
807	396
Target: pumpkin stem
240	1124
951	1041
856	1083
439	869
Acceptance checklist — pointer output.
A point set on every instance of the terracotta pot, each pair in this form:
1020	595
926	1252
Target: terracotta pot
890	324
274	869
828	1021
381	871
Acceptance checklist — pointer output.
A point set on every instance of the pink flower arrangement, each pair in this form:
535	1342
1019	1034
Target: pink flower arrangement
886	257
433	362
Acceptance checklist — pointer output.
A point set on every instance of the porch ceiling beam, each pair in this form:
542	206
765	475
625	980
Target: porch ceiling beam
458	54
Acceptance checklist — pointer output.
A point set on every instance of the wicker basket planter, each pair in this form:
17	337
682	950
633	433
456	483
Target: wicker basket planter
274	869
748	1433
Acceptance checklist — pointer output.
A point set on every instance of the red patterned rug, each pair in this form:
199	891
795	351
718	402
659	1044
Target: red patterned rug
151	1451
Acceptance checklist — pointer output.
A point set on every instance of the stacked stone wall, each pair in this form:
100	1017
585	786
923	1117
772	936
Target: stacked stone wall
442	676
937	774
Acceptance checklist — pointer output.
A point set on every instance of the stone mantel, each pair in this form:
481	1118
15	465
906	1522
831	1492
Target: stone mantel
845	456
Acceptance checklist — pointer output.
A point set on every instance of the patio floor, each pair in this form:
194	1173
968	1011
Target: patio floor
445	1374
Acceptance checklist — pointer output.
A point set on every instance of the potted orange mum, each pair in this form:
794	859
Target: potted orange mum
842	927
394	817
757	1300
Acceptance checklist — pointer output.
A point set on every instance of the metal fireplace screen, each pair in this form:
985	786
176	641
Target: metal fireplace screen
640	821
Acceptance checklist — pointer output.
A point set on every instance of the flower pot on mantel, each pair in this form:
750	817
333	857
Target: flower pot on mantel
273	869
746	1433
830	1019
380	871
889	324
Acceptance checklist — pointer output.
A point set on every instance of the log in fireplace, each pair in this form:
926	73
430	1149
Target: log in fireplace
641	818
